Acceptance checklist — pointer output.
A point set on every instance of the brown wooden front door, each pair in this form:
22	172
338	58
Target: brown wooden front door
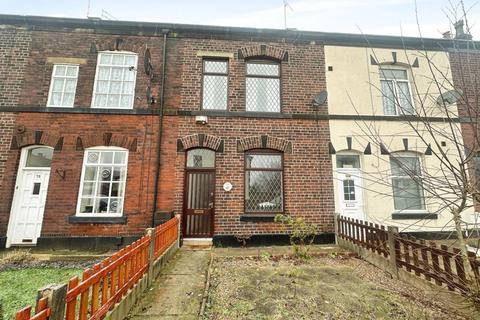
199	194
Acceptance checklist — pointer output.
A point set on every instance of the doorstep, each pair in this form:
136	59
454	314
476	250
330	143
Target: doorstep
197	243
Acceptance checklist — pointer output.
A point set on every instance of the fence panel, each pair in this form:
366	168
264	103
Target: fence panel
442	265
364	234
435	263
165	235
42	312
106	283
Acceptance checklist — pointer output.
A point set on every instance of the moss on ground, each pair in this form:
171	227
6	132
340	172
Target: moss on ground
18	287
323	288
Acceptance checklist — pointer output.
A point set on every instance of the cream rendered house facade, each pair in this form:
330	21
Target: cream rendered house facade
378	100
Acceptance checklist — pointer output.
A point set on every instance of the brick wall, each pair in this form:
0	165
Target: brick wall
63	192
308	178
27	77
466	77
14	52
308	186
48	47
302	76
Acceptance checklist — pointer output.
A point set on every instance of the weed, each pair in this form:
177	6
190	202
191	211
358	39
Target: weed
16	257
302	234
265	256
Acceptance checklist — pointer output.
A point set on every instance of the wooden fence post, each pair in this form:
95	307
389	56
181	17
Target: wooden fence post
151	255
179	217
56	295
335	225
391	233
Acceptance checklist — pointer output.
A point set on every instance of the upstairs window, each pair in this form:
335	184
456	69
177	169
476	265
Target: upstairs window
407	182
263	182
115	80
263	86
102	187
396	95
215	84
63	86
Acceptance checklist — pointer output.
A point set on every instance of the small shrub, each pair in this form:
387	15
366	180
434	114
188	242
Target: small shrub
302	234
265	256
16	257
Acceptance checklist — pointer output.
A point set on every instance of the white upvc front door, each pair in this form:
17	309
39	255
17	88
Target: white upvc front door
350	193
26	215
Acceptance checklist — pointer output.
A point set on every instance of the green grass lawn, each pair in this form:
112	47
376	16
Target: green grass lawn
18	288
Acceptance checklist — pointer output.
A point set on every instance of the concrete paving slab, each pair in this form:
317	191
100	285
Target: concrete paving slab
177	293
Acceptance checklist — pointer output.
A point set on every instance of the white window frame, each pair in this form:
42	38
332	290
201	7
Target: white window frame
50	90
80	190
395	89
420	177
110	65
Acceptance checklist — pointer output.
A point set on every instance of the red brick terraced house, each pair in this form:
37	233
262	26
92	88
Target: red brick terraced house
108	127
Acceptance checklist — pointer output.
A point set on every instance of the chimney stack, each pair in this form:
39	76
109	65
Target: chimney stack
460	32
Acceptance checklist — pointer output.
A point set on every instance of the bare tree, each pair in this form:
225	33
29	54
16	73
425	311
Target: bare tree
442	118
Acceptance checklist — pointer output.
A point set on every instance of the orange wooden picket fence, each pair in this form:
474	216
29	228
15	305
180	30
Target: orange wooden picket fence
42	312
165	234
107	282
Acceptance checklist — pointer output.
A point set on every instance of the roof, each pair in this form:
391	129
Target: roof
222	32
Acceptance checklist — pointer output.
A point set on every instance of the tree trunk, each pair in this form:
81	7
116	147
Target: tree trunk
457	218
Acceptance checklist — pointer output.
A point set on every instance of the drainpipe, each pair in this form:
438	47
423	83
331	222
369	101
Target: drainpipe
160	126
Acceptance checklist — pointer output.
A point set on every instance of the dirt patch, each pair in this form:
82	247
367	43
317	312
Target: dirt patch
322	288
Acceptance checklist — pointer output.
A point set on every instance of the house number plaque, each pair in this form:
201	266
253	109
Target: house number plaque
227	186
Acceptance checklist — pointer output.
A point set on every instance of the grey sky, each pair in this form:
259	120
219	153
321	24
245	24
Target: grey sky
392	17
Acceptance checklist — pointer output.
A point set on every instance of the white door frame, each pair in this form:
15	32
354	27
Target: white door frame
17	195
356	173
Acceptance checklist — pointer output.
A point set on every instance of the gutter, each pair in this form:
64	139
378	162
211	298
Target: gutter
160	127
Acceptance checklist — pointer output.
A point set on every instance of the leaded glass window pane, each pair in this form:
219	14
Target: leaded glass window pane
115	80
201	158
63	86
215	84
265	161
103	186
263	183
215	92
263	69
263	94
262	86
212	66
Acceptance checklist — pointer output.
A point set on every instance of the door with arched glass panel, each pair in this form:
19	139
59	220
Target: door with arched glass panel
199	194
26	215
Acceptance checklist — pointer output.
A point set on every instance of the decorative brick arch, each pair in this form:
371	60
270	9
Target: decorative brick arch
117	44
107	139
200	140
263	50
264	142
25	137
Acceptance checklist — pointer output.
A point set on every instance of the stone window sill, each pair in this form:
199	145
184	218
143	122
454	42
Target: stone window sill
97	220
258	217
414	216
